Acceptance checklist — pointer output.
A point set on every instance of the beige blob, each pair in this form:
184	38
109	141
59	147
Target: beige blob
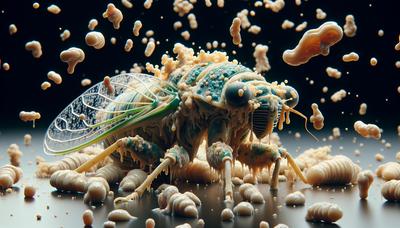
119	215
35	47
250	193
87	217
317	119
12	29
27	139
55	77
15	154
128	45
45	85
182	7
29	191
286	24
54	9
227	215
9	175
260	56
333	73
350	27
364	180
338	95
65	35
92	24
275	6
363	109
192	21
149	48
95	39
300	27
72	57
133	180
86	82
243	209
350	57
324	211
136	27
234	30
114	15
367	130
389	171
391	190
320	14
29	116
295	199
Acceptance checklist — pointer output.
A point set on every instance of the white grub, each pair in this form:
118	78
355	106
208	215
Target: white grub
367	130
324	211
363	109
227	215
127	4
243	16
171	201
35	47
72	57
381	32
391	190
149	48
95	39
68	180
320	14
36	5
192	21
301	27
14	154
177	25
295	199
86	82
92	24
260	56
333	73
109	224
29	116
364	181
340	170
128	45
182	7
29	191
350	28
45	85
9	175
237	181
244	209
97	190
254	29
136	27
12	29
132	180
336	132
6	66
119	215
69	162
286	24
55	77
389	171
373	61
54	9
250	178
65	35
150	223
275	6
114	15
263	224
27	139
350	57
184	225
339	95
314	42
147	4
317	119
185	35
250	193
235	31
87	217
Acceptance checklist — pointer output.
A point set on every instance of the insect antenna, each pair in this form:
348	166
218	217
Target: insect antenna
305	121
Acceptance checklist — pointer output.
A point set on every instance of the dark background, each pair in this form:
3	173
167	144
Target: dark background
20	87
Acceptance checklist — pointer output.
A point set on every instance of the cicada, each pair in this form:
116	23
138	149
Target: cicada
147	121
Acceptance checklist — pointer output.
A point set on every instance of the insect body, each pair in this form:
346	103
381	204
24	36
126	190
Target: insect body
147	118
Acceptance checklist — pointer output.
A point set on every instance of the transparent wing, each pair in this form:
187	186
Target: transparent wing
102	110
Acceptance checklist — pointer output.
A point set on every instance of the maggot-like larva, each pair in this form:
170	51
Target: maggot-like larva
68	180
364	180
235	31
9	175
97	190
243	209
95	39
295	199
72	57
324	211
15	154
227	214
114	15
136	27
339	95
351	57
391	190
119	215
363	109
198	171
317	119
45	85
325	36
111	173
172	201
367	130
250	193
35	47
389	171
149	48
132	180
55	77
339	170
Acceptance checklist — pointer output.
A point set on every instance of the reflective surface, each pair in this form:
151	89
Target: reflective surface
64	211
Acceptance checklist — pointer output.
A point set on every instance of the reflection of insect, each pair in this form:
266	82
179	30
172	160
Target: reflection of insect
223	103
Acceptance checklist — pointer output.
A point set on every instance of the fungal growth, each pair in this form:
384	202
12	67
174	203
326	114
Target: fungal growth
367	130
314	42
324	212
72	57
9	175
364	180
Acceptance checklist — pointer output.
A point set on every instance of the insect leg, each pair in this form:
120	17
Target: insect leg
175	156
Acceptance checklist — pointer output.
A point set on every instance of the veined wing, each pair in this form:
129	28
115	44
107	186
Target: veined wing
99	111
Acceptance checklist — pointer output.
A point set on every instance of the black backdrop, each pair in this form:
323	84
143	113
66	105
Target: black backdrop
20	87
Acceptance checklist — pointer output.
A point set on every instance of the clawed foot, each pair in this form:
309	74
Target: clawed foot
126	199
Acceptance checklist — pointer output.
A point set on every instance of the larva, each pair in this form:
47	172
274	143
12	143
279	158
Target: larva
227	214
295	199
339	170
68	180
391	190
364	180
97	190
111	173
132	180
9	175
250	193
119	215
244	209
324	211
173	202
389	171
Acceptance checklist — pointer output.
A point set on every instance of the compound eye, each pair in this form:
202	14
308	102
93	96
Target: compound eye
237	94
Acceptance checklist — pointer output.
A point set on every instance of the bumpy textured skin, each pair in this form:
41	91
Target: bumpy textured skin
132	180
171	201
337	171
391	190
295	198
250	193
68	180
9	175
389	171
324	211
